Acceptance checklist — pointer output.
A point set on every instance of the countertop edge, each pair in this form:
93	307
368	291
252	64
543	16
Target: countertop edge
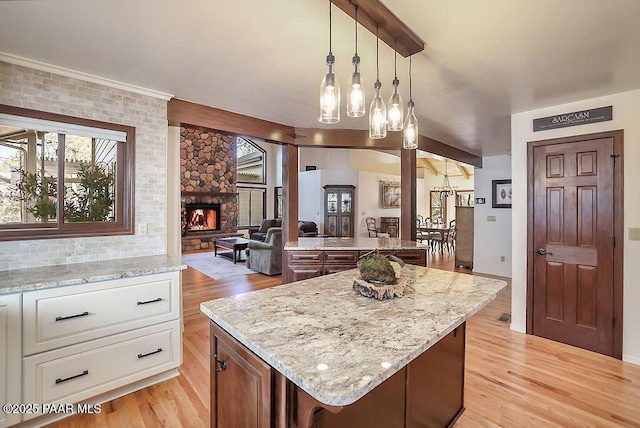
46	277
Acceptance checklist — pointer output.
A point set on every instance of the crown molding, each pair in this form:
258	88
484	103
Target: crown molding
50	68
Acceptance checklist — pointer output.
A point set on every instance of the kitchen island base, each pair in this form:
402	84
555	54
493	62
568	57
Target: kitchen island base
248	392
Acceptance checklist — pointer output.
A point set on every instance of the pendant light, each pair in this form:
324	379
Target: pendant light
355	97
410	136
377	111
395	115
329	89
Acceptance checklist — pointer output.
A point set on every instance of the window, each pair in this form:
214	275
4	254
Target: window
250	161
251	204
438	209
278	201
62	176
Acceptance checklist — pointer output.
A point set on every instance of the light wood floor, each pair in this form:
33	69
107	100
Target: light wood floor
512	379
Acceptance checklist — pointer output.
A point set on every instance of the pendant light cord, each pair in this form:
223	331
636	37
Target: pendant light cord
330	26
410	73
395	58
356	19
377	48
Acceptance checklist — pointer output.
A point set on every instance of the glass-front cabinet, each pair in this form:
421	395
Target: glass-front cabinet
338	210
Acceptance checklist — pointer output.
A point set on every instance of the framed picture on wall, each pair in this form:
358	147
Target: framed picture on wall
390	195
501	193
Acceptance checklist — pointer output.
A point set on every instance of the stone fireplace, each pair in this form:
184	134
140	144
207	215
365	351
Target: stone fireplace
208	182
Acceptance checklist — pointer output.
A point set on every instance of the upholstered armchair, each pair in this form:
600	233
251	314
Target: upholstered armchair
307	228
266	257
260	233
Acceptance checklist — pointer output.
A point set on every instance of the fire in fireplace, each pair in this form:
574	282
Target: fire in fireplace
202	217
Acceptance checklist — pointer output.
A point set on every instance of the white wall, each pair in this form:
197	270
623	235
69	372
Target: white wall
626	107
491	239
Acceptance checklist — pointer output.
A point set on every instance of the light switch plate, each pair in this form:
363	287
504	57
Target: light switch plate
491	218
634	234
142	229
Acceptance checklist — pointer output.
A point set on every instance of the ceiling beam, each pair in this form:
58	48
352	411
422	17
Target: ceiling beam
464	171
359	139
392	30
180	113
426	163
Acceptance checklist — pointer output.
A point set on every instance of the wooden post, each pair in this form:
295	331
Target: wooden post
408	204
290	199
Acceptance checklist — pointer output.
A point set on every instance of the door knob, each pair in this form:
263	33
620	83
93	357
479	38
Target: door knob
544	252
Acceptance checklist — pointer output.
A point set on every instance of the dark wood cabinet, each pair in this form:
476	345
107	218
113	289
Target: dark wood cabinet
338	210
435	383
305	264
390	225
464	237
241	384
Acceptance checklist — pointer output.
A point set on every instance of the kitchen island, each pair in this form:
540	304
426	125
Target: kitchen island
317	353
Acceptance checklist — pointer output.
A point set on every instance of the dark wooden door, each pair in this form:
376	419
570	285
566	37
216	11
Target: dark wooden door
573	243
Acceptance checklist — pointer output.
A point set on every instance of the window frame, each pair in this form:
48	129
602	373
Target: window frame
125	190
264	161
264	204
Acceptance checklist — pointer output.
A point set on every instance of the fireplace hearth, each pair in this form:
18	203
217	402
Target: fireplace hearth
201	217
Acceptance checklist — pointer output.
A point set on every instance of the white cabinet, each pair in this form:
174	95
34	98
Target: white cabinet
68	344
10	356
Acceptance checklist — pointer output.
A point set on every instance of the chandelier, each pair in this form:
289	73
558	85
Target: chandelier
446	189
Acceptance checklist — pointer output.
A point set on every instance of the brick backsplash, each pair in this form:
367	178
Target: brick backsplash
29	88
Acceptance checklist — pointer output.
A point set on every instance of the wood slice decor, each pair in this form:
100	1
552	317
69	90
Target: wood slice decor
380	292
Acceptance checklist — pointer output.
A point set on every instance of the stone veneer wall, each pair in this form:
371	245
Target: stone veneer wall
208	165
25	87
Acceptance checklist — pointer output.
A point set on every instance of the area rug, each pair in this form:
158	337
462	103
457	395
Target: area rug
215	267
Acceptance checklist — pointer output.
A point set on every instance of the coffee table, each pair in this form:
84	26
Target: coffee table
236	245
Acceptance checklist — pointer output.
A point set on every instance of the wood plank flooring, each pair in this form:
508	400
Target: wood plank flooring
512	379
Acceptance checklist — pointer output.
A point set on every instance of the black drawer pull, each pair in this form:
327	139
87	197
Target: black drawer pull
150	301
60	380
84	314
306	257
150	353
342	257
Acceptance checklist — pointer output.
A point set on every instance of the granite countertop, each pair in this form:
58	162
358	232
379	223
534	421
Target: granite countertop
306	243
19	280
338	345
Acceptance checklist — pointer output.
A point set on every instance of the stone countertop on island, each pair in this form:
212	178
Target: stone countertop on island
338	345
309	243
20	280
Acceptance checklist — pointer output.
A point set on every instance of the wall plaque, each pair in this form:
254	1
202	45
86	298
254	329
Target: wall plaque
581	117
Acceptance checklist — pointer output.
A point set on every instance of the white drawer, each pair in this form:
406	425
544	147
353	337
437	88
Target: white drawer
81	371
68	315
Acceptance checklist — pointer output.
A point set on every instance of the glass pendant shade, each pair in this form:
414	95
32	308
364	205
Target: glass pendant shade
329	96
356	97
395	114
377	116
410	135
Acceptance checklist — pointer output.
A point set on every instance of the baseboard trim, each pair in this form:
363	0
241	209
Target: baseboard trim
518	328
631	359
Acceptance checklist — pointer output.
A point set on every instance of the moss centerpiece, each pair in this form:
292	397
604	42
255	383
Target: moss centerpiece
377	276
